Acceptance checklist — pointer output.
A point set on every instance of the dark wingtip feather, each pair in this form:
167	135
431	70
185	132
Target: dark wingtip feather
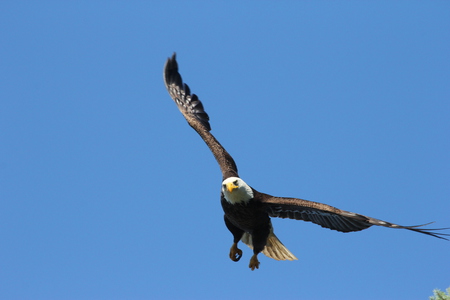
429	231
415	228
171	74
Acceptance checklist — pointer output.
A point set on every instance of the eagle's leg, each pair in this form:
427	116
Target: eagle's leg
259	239
235	252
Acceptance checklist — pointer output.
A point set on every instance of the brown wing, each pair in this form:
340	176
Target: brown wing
330	217
192	109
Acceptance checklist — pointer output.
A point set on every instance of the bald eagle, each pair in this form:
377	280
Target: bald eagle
247	211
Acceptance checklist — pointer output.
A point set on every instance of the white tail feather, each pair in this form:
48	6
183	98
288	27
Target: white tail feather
273	249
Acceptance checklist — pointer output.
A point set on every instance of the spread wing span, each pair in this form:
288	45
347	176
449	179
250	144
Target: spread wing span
333	218
193	111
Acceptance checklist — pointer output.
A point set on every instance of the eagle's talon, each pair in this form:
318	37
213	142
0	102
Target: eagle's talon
254	263
235	253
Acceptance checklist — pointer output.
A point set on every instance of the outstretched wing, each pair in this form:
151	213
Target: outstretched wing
331	217
192	109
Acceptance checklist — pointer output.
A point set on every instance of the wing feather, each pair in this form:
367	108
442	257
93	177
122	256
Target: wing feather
193	111
331	217
189	104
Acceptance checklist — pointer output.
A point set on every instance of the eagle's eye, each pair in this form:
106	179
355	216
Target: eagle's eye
235	183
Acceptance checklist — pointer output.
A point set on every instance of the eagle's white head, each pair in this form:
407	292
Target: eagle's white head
235	190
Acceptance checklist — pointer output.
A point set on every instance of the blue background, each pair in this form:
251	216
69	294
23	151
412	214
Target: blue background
107	193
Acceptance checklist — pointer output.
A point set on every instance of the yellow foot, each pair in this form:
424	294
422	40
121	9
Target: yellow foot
254	263
235	252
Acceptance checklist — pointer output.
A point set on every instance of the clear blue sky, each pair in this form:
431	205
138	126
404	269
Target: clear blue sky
107	193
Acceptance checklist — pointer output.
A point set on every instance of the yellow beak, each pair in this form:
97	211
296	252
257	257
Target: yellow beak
231	186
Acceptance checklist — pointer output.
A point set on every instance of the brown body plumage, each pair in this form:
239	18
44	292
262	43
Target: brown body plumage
247	211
